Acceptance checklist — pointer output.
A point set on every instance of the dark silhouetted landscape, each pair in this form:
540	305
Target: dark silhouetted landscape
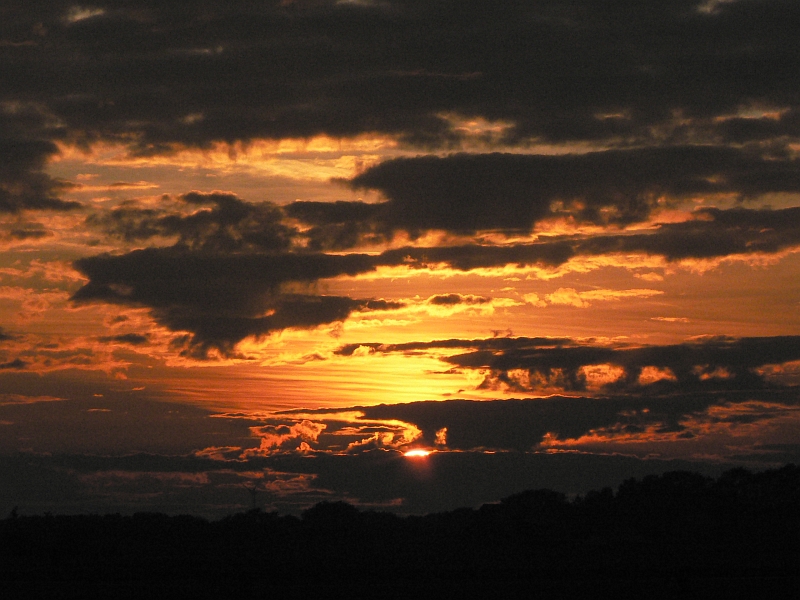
675	535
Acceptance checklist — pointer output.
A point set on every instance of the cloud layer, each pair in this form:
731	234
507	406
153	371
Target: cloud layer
156	78
512	192
239	269
565	71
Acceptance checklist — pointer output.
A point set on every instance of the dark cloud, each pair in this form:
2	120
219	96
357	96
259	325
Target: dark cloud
617	392
207	285
131	223
25	148
665	87
210	293
512	192
332	213
132	339
708	364
153	77
222	332
28	231
522	425
197	463
340	225
579	70
231	224
159	277
712	233
14	364
739	130
234	225
494	344
637	424
228	276
475	256
115	417
223	298
773	453
454	299
709	233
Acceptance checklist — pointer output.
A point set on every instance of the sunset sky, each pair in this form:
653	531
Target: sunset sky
275	245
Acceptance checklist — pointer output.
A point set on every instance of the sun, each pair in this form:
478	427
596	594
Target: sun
417	453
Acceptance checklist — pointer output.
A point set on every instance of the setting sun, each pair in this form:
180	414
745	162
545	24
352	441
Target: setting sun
417	453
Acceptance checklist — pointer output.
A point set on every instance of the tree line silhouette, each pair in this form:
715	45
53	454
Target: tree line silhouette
674	530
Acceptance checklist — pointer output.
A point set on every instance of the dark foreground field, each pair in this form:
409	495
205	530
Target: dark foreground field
679	535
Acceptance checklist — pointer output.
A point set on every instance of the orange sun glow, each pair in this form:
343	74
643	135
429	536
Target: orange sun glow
417	453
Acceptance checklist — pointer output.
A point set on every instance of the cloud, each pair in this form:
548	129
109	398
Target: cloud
222	284
19	399
521	425
716	363
512	192
454	299
15	364
23	230
571	297
612	116
113	418
223	298
228	276
711	233
490	344
199	464
534	299
340	225
543	364
708	233
567	296
25	148
682	423
133	339
230	225
274	438
345	431
636	74
33	303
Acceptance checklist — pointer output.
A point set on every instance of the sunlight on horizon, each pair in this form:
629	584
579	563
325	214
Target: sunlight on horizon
417	453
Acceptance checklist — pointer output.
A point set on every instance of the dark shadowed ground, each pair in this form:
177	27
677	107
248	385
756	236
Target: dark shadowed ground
677	535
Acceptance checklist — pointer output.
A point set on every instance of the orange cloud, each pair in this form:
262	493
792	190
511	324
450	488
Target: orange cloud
651	374
33	303
571	297
306	434
599	375
274	438
740	419
17	399
441	437
568	297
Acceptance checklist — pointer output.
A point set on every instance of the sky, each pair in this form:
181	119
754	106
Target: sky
253	253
